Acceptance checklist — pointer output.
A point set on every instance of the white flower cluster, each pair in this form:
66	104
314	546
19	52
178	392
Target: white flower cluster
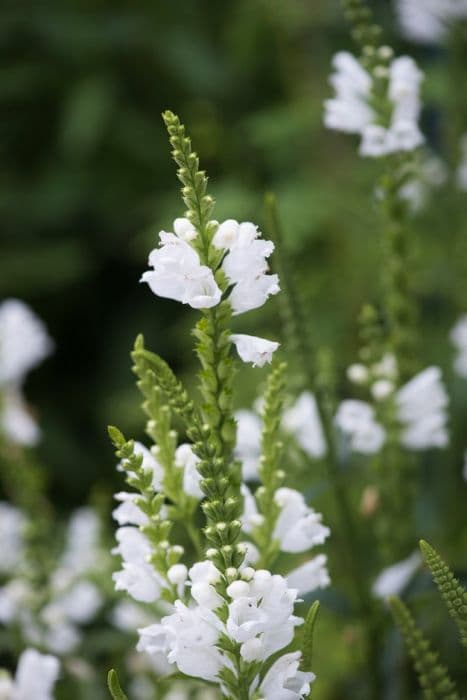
178	274
301	420
431	173
353	109
420	406
459	340
428	21
24	343
51	618
259	619
35	677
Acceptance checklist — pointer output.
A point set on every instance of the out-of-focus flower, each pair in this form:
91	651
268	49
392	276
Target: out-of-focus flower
24	341
35	677
357	420
303	421
352	110
309	576
298	527
257	351
428	21
248	445
394	579
186	459
421	405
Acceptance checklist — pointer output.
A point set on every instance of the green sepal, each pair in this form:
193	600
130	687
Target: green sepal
114	686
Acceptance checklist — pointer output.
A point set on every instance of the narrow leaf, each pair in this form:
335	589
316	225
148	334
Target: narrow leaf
308	630
114	686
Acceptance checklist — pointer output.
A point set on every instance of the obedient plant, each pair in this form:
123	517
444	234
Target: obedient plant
225	616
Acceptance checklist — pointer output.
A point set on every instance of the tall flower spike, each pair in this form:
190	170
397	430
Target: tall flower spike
449	587
432	676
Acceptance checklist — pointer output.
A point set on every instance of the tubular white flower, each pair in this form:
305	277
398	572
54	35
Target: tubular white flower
258	351
429	21
248	445
35	676
394	579
303	420
309	576
24	341
356	420
284	681
298	527
186	459
191	636
178	274
136	577
421	405
128	513
350	110
16	422
245	264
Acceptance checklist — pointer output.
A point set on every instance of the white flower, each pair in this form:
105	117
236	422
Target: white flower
421	405
204	576
250	516
350	110
16	422
264	612
258	351
356	420
179	275
428	21
127	616
190	638
82	551
128	513
309	576
12	526
248	445
357	373
35	676
186	459
382	389
81	602
395	578
458	337
303	420
298	527
24	341
137	576
245	264
284	681
184	229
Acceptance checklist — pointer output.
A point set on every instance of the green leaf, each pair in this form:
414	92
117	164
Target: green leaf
114	686
308	630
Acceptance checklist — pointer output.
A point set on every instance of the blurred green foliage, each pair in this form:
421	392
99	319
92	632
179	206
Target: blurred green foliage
86	182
